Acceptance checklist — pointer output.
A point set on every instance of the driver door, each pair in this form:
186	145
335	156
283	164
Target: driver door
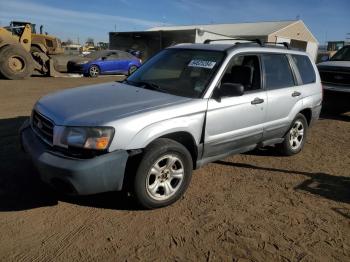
236	123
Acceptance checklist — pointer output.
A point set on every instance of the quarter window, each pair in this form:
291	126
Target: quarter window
278	73
305	69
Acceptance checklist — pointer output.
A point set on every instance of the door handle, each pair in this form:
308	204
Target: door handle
296	93
257	101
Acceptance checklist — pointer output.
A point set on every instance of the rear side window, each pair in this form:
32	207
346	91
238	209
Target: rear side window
305	69
124	55
278	73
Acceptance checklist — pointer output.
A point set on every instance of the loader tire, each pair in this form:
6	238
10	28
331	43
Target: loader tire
15	63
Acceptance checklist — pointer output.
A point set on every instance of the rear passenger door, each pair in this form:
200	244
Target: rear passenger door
283	94
307	75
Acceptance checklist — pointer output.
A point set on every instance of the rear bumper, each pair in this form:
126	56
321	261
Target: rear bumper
315	114
71	175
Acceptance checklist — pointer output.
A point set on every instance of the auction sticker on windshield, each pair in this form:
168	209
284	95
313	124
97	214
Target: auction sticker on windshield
202	64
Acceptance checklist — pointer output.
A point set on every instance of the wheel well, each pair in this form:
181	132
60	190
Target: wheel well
135	156
96	66
1	47
308	114
187	140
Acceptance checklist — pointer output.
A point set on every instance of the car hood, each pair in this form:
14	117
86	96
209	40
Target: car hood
102	104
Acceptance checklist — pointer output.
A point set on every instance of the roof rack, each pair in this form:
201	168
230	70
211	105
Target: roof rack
285	44
208	41
257	41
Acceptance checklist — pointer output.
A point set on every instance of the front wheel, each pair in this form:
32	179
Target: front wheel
163	175
295	138
94	71
15	62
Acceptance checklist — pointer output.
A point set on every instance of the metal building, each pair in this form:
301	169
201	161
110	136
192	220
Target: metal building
294	32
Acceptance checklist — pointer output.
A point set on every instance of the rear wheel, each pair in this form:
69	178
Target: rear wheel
295	138
15	62
94	71
163	175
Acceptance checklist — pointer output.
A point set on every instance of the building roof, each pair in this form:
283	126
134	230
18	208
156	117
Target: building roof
241	29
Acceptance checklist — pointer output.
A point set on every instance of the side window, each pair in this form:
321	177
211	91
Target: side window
113	57
245	70
278	73
305	69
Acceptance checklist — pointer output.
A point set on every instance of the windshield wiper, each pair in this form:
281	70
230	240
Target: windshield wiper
152	86
129	82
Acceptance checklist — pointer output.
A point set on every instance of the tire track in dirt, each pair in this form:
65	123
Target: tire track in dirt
57	243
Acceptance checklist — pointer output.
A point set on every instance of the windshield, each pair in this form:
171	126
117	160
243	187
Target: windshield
182	72
342	55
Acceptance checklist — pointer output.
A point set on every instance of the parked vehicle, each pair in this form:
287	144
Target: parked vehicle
335	73
104	62
23	52
189	105
335	77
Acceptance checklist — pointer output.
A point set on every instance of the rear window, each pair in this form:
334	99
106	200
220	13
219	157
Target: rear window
278	73
125	55
305	69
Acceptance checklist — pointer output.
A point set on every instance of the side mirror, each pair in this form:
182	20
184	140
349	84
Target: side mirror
104	57
231	89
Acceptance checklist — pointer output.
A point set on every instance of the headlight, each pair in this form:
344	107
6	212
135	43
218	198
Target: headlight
97	138
82	62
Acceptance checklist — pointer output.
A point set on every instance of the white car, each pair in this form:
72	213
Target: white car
188	105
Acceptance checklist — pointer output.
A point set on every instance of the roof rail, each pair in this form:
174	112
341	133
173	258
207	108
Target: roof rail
285	44
208	41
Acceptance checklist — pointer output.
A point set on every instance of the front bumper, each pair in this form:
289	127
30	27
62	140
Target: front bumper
74	68
71	175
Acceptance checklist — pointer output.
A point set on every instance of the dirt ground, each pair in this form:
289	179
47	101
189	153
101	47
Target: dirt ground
250	207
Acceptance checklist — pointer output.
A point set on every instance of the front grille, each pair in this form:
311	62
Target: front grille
336	78
43	127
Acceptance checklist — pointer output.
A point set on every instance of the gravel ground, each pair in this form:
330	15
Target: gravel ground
250	207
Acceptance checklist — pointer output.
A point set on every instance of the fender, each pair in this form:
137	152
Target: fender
138	131
191	124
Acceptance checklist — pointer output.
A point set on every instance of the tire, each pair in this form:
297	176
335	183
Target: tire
132	69
15	62
94	71
295	138
163	174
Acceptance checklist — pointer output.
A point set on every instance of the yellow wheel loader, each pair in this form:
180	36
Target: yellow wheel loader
23	52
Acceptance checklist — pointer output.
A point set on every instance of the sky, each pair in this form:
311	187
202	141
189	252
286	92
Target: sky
73	19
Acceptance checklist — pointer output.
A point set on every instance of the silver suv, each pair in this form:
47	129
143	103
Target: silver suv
189	105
